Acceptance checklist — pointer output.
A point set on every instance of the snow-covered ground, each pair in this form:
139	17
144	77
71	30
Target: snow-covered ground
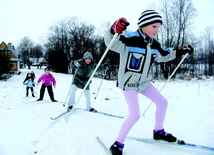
26	128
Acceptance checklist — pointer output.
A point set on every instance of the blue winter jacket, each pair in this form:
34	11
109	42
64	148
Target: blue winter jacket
30	83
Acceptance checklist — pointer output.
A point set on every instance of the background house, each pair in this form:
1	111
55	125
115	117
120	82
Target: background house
14	57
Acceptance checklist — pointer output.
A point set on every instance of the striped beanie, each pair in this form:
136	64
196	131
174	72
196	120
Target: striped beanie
149	17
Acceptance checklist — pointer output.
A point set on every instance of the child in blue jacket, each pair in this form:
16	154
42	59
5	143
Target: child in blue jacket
29	85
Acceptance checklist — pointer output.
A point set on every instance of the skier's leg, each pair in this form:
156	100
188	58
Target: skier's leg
88	99
31	88
50	92
161	105
131	97
27	88
71	100
42	91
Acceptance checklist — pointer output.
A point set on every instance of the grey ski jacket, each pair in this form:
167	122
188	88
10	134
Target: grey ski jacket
137	53
83	72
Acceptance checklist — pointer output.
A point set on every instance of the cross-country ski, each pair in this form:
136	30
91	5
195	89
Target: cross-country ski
97	112
177	143
105	148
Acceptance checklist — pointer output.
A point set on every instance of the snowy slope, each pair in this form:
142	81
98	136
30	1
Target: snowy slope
26	128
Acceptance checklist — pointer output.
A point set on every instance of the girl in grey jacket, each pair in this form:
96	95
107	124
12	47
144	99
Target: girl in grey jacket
29	85
138	50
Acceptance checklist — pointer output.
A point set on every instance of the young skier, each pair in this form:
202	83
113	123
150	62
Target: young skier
47	81
29	85
83	70
31	75
137	52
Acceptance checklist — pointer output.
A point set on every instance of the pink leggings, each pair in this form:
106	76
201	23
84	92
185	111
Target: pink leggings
131	97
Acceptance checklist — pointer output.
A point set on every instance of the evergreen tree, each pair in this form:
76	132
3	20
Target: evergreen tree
5	66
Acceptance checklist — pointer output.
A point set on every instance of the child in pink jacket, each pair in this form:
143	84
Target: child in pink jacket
47	81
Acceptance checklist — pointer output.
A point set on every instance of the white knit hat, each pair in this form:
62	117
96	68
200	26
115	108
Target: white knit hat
149	17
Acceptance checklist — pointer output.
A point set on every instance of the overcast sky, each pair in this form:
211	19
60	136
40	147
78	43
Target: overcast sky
32	18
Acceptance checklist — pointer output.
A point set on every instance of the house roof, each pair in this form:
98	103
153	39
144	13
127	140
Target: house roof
10	47
14	59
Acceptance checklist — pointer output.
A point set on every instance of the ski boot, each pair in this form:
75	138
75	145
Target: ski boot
116	148
69	108
92	110
162	135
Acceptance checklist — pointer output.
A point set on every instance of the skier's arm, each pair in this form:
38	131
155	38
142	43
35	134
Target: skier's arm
185	49
119	26
75	64
54	81
40	79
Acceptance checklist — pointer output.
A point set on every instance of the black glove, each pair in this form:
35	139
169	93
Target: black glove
185	49
119	26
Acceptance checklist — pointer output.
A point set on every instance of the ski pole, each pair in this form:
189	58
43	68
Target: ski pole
69	88
168	80
101	59
95	97
68	94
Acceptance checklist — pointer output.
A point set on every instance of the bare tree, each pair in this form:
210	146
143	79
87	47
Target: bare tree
68	38
183	13
80	36
24	47
57	47
209	51
37	52
168	28
177	17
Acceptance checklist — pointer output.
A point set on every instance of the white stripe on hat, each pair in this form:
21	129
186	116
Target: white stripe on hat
148	21
149	17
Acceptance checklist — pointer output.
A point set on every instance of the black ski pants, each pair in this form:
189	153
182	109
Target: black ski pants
27	89
50	92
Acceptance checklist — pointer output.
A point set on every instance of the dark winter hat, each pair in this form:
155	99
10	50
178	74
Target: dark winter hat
88	55
46	70
149	17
